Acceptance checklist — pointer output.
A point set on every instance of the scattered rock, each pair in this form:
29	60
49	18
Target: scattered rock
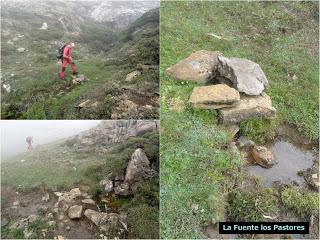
75	212
46	197
214	97
77	79
27	233
15	39
83	104
200	67
58	194
249	107
75	192
133	75
108	185
22	223
123	190
10	42
194	207
246	76
21	50
51	223
88	201
68	228
243	142
7	87
107	222
44	26
16	203
263	156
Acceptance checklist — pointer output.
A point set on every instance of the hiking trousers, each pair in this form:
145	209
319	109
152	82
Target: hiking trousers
64	64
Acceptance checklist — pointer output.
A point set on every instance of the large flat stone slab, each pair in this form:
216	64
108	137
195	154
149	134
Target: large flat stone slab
200	67
249	107
214	97
244	75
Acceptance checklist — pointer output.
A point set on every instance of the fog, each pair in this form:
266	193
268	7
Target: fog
14	133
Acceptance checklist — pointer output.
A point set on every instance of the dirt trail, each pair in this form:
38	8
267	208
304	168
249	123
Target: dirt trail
32	204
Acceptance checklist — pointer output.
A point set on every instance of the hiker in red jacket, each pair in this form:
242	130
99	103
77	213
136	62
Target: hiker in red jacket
29	141
67	59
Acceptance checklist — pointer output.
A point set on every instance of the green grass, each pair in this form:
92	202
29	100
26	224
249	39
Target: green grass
252	206
304	203
195	165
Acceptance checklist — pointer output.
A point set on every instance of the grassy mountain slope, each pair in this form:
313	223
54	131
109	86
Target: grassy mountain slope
197	169
59	167
103	55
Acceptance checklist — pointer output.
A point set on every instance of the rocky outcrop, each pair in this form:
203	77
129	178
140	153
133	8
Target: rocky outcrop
200	67
138	167
249	107
263	156
109	132
244	75
214	97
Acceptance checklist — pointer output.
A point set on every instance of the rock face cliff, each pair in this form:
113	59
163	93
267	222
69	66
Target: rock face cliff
109	132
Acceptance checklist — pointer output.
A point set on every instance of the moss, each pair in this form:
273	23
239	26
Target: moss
302	202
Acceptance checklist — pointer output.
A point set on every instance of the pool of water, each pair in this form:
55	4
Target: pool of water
291	159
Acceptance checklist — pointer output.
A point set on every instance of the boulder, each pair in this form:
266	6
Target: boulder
75	212
244	75
107	222
123	190
133	75
21	50
214	97
199	67
263	156
249	107
88	201
137	166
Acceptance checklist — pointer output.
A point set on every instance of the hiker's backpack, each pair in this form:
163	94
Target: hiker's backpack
60	51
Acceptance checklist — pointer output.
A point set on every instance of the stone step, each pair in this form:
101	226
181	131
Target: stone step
249	107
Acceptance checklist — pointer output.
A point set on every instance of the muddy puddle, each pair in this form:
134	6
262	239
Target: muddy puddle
291	159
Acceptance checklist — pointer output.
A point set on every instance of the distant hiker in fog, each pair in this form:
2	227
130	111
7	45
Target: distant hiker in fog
29	141
64	53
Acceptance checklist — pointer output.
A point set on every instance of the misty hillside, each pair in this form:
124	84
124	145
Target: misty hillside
88	163
108	48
